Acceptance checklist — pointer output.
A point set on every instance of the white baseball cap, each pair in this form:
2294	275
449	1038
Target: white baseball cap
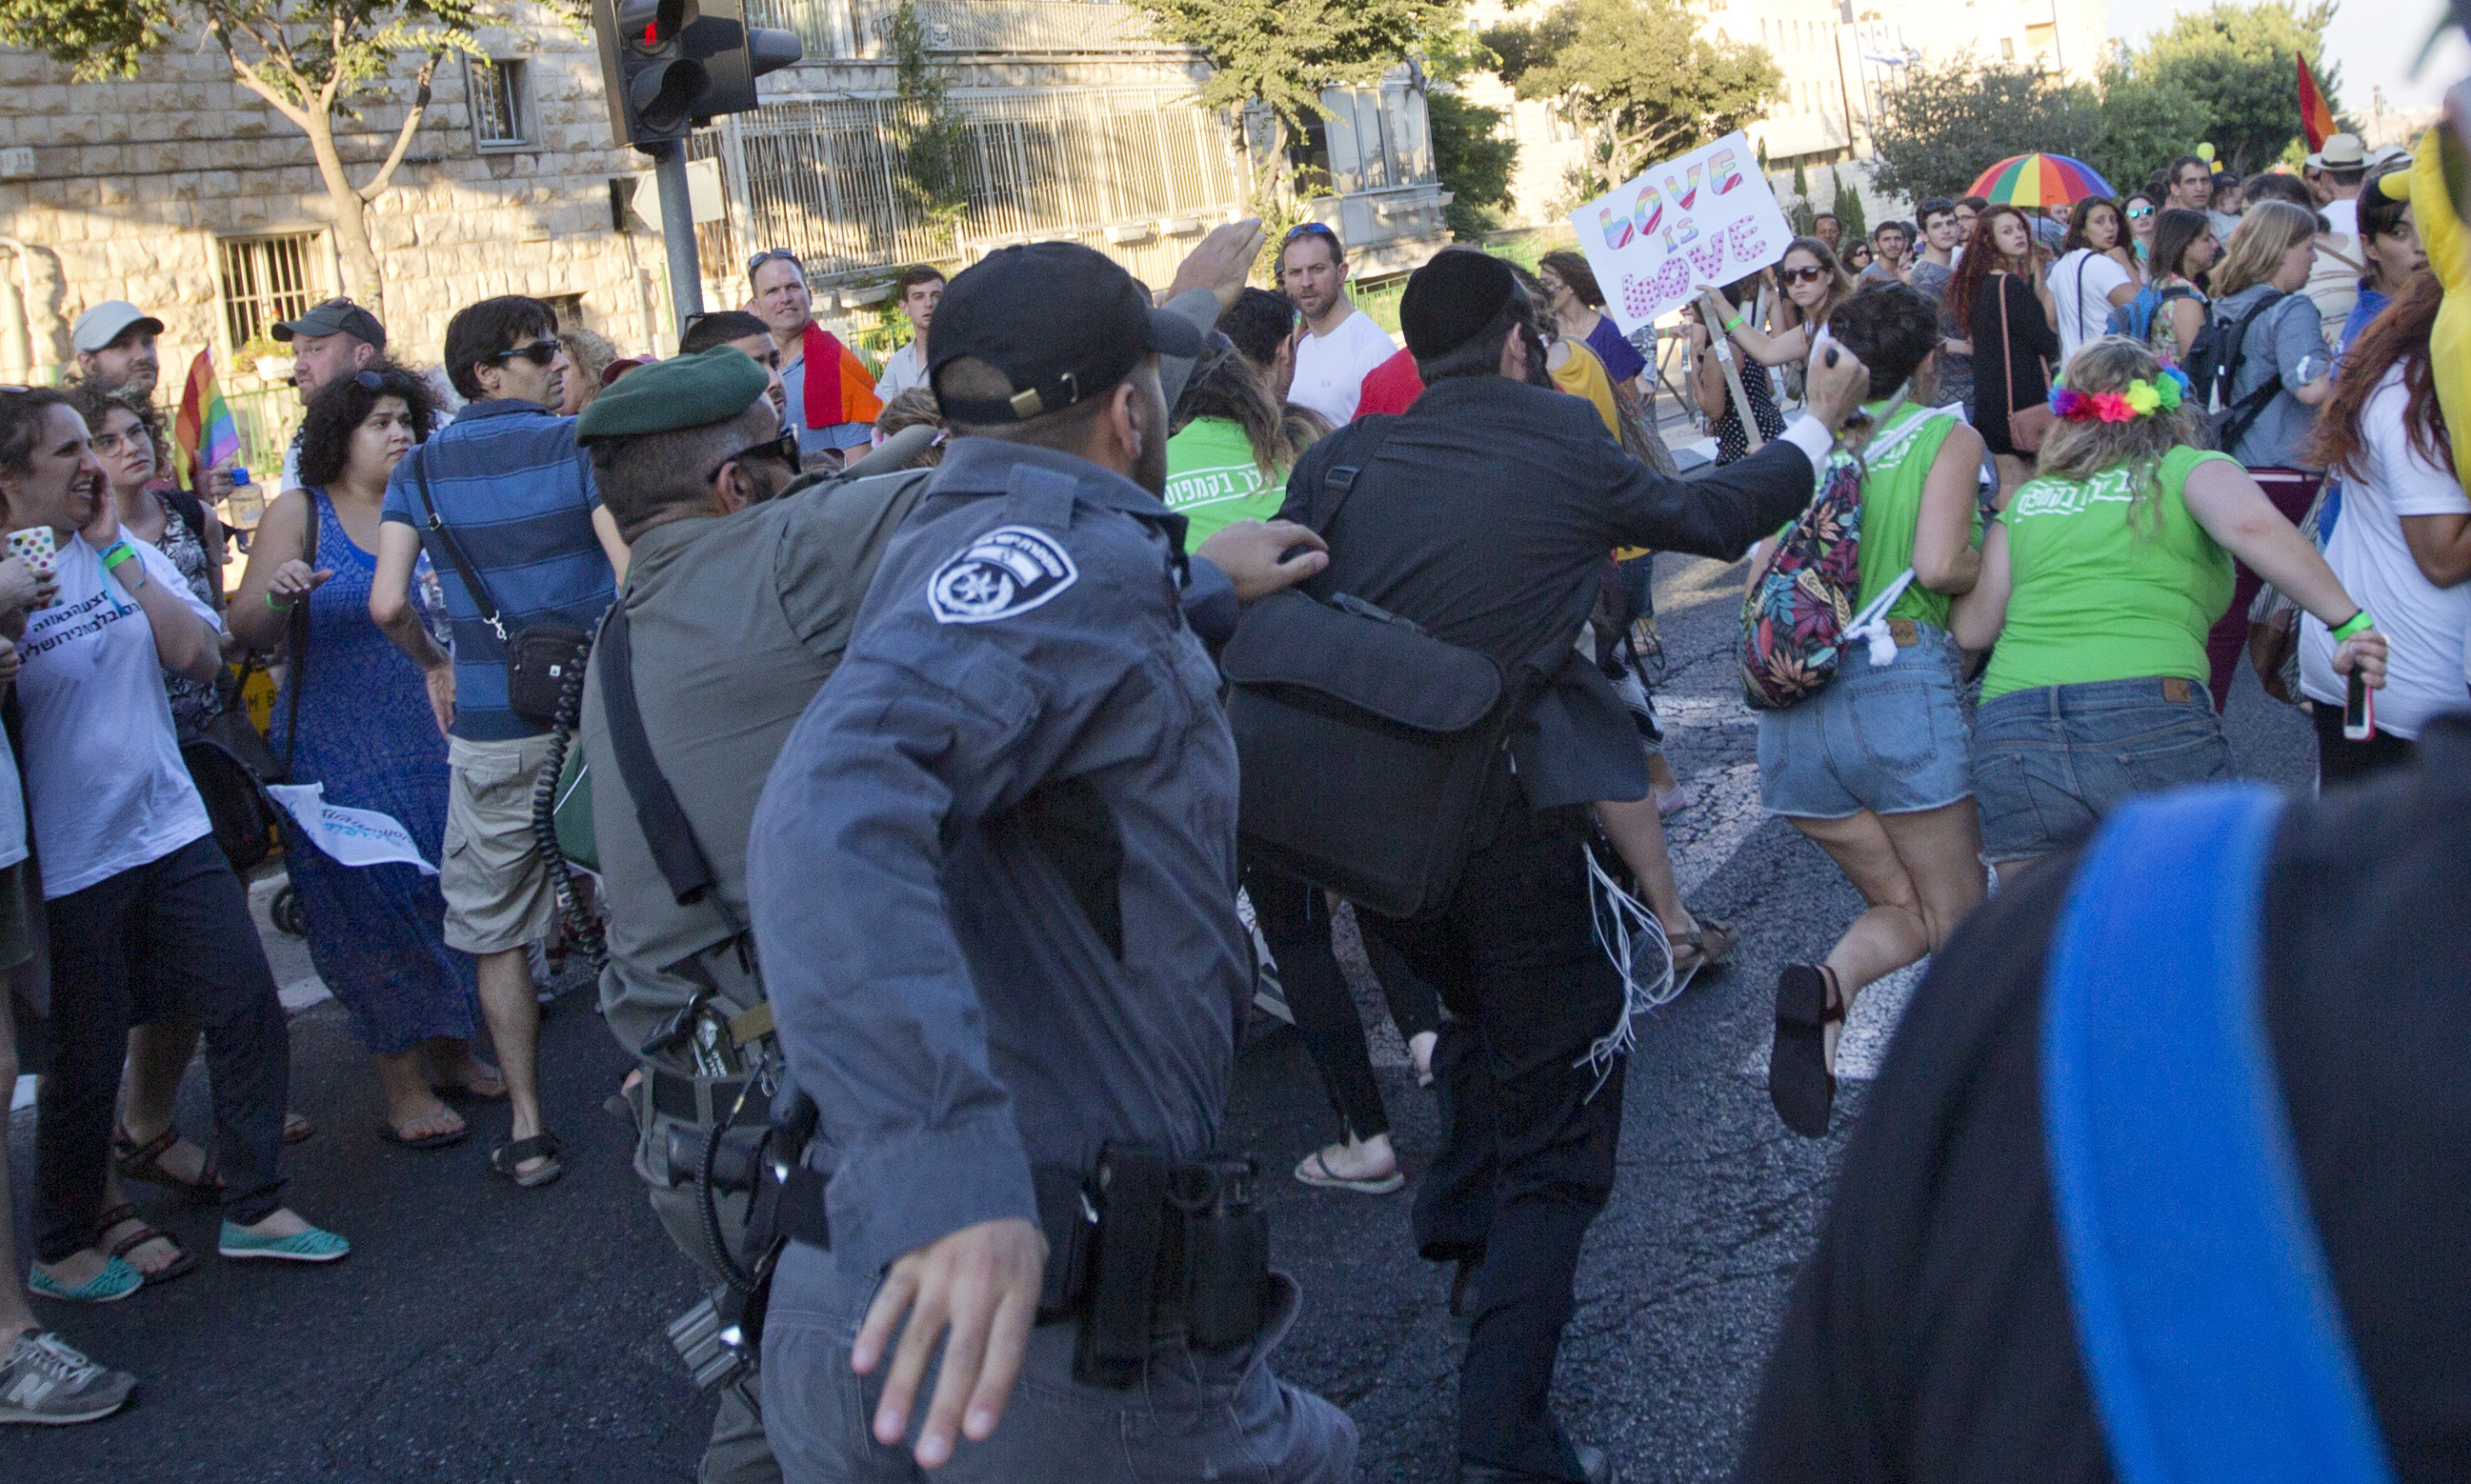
107	321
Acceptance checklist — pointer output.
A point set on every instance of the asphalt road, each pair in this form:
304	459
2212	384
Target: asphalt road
480	1333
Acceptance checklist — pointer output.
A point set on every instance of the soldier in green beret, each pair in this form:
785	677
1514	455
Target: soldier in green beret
738	600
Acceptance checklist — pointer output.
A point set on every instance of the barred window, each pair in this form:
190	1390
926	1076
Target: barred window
268	280
501	103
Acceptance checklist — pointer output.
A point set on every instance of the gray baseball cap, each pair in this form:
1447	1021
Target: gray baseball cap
109	321
335	316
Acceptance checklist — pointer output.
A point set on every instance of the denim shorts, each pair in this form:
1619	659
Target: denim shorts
1890	739
2050	761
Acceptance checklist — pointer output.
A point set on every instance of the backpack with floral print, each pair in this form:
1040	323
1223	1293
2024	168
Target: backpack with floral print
1800	612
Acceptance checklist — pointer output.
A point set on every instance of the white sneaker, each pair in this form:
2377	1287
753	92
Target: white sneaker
43	1380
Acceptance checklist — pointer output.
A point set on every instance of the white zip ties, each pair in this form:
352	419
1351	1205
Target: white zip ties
1623	926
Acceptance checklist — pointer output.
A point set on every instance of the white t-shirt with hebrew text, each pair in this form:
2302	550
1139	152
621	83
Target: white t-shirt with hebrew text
103	763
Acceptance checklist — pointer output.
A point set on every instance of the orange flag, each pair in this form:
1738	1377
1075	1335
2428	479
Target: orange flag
2315	117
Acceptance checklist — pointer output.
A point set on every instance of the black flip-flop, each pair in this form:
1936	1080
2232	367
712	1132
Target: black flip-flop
388	1132
543	1145
1799	1082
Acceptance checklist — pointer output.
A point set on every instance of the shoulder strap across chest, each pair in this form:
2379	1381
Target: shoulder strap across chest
2209	1326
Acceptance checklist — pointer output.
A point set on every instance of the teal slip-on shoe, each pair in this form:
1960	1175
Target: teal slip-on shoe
117	1280
312	1245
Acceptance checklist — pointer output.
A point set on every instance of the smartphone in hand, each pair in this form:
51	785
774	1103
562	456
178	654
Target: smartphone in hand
2359	710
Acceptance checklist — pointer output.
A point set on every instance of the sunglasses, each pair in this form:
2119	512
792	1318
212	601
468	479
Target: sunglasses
781	446
1793	276
538	353
1307	229
773	255
2139	213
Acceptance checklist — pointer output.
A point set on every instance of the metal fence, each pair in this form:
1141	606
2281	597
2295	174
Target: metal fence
838	30
1136	171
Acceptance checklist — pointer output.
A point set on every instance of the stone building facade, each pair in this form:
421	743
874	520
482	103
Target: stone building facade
184	192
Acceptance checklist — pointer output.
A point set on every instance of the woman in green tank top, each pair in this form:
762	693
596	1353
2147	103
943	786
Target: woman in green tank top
2098	584
1874	766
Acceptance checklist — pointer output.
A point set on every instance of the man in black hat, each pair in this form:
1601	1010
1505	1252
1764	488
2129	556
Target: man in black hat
992	882
333	339
1485	513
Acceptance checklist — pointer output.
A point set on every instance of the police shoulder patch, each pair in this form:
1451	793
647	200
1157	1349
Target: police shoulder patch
1003	572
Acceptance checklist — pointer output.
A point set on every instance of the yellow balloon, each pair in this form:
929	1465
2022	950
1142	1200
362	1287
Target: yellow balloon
2206	152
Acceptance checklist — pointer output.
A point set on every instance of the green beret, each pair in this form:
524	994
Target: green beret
683	391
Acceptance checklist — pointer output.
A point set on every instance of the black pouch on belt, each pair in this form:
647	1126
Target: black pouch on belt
1224	1237
1114	1343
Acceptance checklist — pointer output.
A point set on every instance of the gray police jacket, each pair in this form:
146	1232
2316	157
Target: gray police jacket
994	871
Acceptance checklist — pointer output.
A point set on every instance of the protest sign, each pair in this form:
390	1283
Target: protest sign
1704	217
352	836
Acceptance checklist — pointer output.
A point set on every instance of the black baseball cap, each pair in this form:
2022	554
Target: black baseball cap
1062	322
336	316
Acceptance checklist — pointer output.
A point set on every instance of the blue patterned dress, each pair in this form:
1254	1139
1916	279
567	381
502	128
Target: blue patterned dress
367	733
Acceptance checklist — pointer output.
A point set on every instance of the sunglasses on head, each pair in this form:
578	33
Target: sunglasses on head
781	446
1307	229
538	353
1801	274
773	255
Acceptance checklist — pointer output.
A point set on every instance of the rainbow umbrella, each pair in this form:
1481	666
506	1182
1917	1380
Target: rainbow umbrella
2040	181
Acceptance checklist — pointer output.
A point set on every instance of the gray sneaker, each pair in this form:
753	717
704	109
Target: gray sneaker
42	1379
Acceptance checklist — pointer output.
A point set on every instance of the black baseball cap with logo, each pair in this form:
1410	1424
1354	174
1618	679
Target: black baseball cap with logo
1062	322
336	316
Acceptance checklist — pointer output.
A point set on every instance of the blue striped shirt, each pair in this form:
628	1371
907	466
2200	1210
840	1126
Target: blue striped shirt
508	479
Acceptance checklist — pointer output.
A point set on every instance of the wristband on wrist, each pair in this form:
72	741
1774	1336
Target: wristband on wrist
1738	321
278	607
2359	623
117	552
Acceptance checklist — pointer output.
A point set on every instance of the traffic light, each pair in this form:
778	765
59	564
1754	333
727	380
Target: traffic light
668	65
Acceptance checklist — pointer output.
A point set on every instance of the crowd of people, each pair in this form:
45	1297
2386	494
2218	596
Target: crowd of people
1002	795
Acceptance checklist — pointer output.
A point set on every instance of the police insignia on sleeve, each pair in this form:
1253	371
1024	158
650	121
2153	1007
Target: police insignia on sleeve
1009	570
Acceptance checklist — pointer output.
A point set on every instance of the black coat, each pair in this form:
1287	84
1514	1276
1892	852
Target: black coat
1486	515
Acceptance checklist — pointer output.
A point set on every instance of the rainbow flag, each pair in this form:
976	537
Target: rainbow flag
204	428
2315	117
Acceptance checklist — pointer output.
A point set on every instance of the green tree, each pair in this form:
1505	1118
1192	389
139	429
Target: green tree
2236	62
1639	75
312	61
1848	208
2143	126
1281	54
1940	125
1474	162
932	136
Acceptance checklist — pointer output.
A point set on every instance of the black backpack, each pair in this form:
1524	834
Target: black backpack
2213	366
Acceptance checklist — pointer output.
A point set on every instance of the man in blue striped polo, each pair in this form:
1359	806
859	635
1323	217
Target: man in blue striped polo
517	508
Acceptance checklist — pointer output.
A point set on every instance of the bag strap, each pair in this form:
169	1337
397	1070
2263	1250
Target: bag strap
667	832
472	582
2007	346
1339	479
2211	1337
295	635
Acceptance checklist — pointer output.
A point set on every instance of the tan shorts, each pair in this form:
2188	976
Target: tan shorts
497	889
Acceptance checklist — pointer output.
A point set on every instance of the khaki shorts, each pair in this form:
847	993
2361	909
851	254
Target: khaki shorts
497	889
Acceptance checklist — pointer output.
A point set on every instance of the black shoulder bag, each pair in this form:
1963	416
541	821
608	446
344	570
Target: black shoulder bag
230	763
539	657
1365	743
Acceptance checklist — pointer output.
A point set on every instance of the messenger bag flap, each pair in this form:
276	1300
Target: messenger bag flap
1388	670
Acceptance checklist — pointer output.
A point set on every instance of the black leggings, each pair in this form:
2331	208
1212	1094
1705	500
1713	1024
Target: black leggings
1296	921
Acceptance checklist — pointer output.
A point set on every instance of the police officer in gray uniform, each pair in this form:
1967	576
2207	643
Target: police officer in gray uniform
994	880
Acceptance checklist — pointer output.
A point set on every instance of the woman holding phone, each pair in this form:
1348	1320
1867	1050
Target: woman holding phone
146	915
2099	582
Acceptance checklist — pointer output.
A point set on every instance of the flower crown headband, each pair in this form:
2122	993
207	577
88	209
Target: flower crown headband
2140	399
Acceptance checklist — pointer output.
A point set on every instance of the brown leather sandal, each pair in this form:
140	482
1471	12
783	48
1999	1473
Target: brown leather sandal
136	1161
185	1262
1704	947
